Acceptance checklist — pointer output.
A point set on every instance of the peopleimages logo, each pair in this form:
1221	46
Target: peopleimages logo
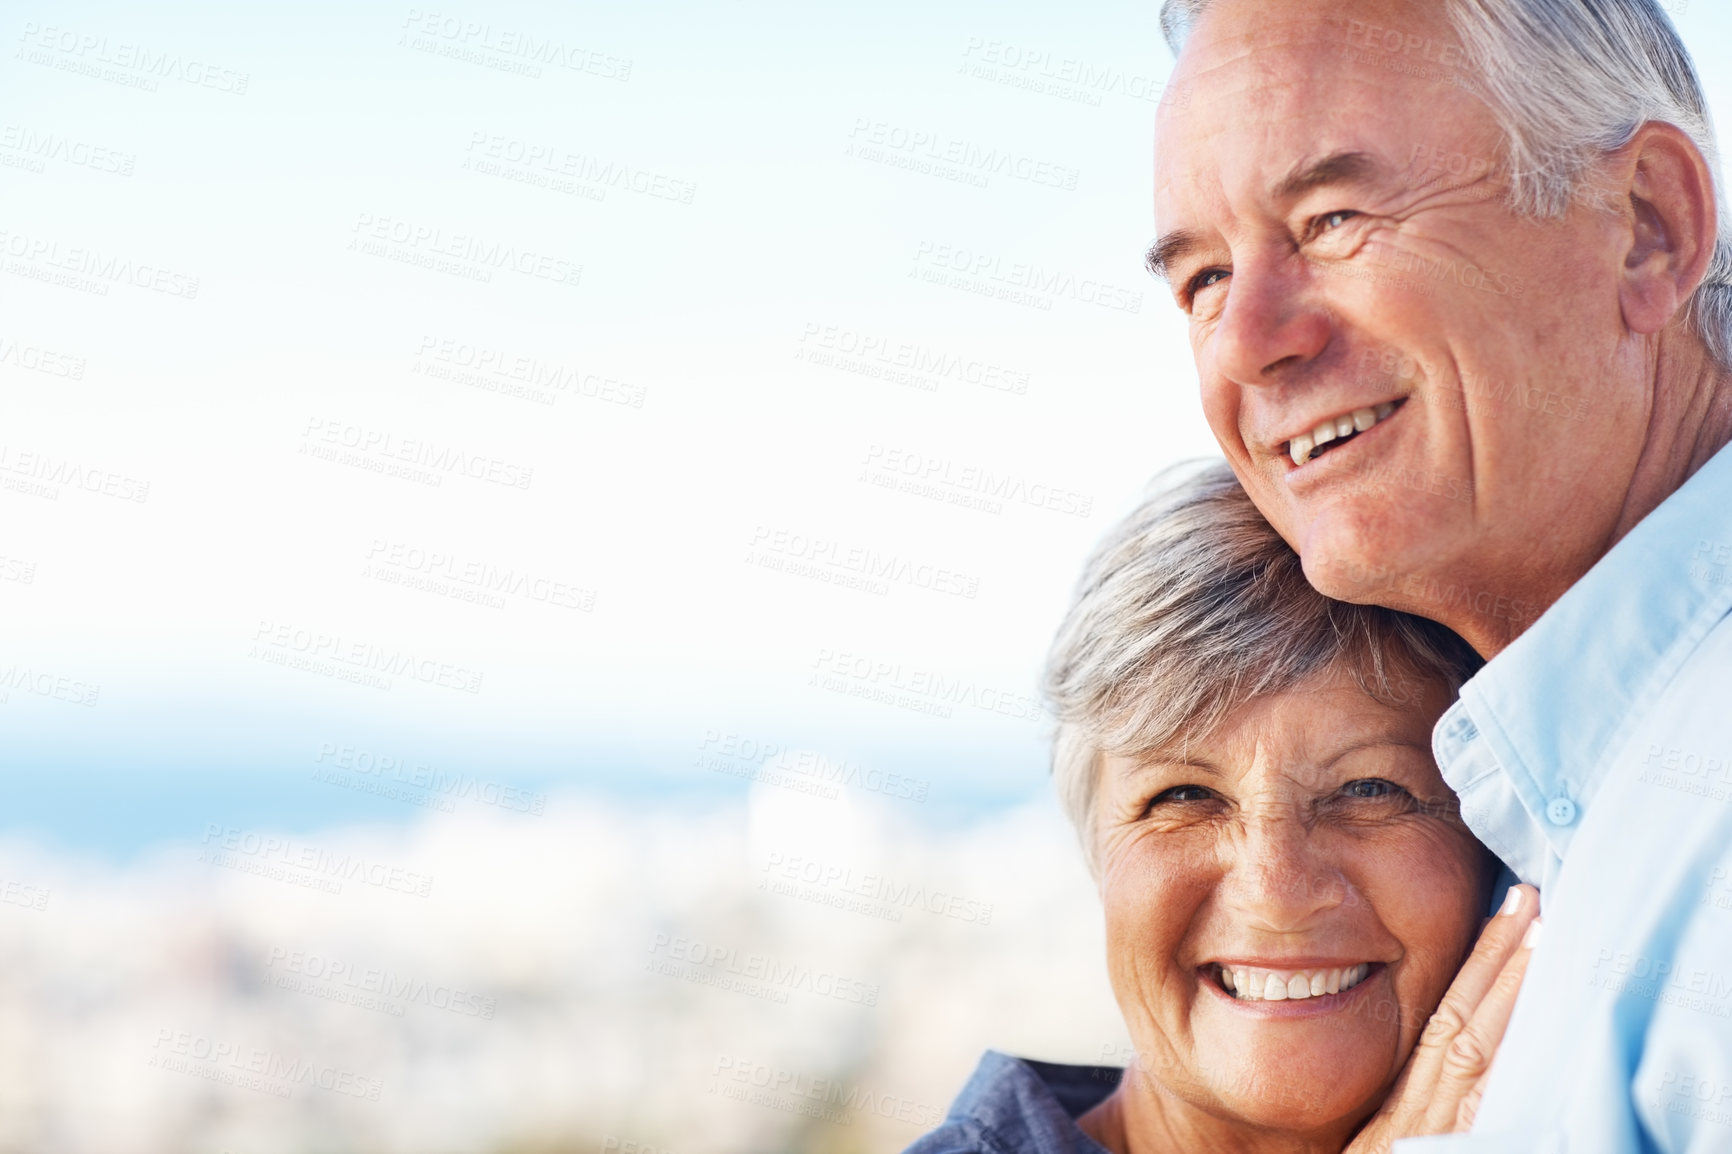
772	761
331	976
838	1093
936	153
878	894
548	165
177	1050
465	254
958	483
27	679
826	559
42	254
1019	282
414	452
280	857
135	65
753	974
924	690
45	473
40	360
483	577
36	148
1056	74
482	42
320	652
494	369
418	775
901	362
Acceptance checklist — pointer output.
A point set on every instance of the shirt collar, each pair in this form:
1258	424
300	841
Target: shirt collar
1554	704
1031	1107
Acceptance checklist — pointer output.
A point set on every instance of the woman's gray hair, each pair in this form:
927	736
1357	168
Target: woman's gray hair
1193	606
1569	81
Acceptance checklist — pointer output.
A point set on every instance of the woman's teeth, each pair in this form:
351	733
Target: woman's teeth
1254	985
1337	429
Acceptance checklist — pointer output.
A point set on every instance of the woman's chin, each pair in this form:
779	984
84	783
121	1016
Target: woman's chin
1297	1066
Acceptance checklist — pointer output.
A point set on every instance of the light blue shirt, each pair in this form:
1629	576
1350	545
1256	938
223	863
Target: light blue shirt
1594	755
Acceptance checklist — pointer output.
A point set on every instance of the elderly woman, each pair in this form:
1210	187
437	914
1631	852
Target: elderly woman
1290	894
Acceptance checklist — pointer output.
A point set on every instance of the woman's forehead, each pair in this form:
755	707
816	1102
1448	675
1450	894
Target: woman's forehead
1311	725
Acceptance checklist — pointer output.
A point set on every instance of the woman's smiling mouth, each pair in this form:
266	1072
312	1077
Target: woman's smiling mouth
1257	984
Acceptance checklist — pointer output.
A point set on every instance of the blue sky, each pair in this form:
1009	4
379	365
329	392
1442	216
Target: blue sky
723	236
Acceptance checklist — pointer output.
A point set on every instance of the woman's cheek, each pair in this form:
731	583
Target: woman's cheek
1427	891
1152	885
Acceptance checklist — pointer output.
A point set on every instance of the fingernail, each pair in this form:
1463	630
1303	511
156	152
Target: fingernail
1532	937
1512	903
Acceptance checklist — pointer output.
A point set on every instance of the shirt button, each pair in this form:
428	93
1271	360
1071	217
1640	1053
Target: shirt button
1560	811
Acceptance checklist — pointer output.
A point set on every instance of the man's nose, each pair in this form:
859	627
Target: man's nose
1278	877
1272	322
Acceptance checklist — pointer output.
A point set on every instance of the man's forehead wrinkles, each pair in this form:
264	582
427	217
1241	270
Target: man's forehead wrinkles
1213	47
1265	67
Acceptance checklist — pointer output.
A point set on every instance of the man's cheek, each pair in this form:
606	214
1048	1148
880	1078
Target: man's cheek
1268	490
1222	412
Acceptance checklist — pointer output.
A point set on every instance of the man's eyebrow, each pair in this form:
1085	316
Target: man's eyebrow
1168	249
1336	168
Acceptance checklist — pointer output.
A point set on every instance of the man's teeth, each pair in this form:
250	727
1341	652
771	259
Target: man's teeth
1345	425
1253	985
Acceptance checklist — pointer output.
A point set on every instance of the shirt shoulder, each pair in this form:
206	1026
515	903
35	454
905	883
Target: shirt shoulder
958	1137
1016	1106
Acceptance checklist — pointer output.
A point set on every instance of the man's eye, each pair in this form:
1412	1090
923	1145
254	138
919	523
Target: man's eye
1370	787
1209	276
1330	221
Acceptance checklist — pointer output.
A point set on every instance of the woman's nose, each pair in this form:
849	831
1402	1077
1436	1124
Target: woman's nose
1270	325
1279	878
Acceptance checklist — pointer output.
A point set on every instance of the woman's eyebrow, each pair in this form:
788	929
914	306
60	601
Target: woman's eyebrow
1373	743
1149	763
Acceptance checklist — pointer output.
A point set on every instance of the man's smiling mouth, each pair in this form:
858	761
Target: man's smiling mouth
1254	984
1337	431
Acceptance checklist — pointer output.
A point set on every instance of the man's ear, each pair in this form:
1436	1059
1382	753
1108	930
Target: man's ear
1670	224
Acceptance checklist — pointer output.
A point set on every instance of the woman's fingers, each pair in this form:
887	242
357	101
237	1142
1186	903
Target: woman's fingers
1467	1062
1438	1090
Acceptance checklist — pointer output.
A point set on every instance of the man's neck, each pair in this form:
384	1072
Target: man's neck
1689	422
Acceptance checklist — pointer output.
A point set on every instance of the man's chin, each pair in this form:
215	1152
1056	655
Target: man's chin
1348	559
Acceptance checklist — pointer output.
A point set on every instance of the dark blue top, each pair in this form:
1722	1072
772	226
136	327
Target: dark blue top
1015	1106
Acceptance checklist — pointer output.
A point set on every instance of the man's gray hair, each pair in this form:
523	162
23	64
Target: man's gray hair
1192	606
1569	81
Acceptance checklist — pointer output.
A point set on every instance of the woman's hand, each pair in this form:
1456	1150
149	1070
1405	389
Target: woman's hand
1439	1089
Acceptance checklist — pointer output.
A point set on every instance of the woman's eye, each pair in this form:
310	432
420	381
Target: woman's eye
1367	787
1181	793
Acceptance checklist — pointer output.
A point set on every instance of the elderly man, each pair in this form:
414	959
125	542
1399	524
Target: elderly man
1461	306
